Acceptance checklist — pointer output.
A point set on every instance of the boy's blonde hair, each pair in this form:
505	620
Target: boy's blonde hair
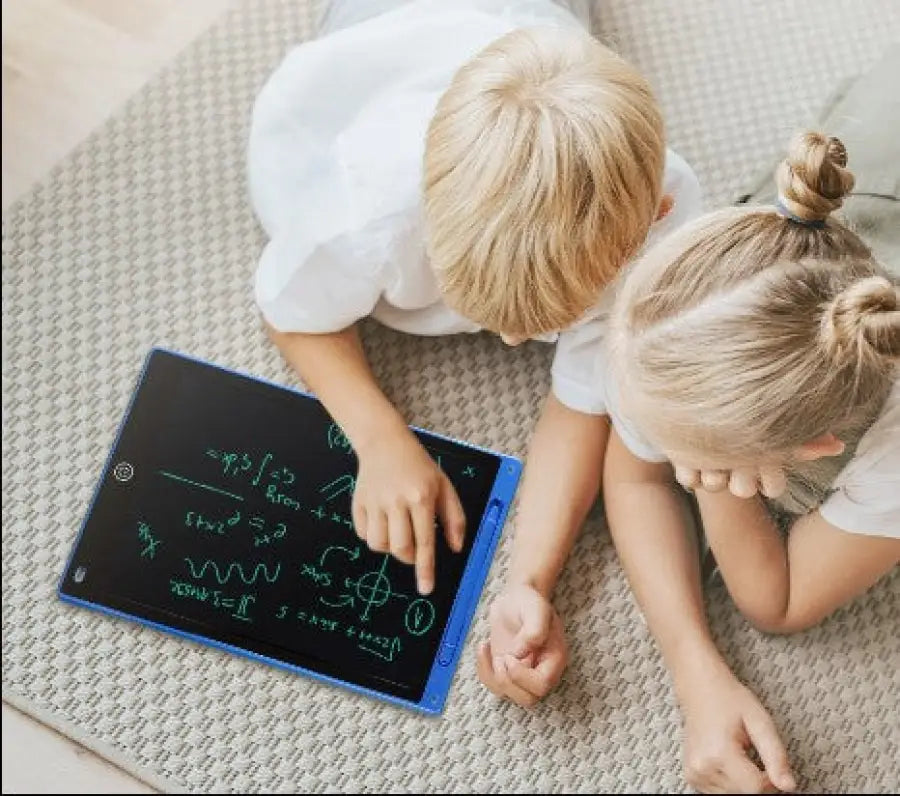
753	331
543	174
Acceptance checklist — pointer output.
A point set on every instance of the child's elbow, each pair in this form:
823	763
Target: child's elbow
784	622
271	332
276	336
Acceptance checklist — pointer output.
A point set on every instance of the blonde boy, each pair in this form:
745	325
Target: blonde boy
453	167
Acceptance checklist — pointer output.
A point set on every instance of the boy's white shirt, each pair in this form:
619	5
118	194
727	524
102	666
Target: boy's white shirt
335	169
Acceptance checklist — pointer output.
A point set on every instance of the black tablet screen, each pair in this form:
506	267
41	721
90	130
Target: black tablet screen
225	512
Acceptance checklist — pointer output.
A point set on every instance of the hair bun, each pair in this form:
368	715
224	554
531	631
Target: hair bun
813	179
864	319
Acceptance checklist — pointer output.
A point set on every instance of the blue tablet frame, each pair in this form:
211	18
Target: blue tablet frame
462	612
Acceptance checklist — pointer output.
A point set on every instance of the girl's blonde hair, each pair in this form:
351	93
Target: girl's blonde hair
543	174
752	331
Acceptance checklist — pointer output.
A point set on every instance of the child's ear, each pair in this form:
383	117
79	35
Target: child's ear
818	448
665	206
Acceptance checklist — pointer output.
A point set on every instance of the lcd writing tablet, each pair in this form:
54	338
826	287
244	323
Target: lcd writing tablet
223	514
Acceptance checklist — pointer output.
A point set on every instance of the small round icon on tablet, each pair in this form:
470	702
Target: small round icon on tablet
123	472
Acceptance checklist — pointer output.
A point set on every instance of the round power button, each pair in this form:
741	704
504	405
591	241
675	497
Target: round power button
123	472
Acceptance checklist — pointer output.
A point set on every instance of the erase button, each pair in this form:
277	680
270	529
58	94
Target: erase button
445	658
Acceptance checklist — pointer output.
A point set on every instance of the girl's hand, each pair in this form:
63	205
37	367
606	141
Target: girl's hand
742	482
399	491
527	652
723	720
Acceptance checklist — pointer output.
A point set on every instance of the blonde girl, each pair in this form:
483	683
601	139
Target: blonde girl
755	348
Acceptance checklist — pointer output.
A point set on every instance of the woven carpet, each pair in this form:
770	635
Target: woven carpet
144	236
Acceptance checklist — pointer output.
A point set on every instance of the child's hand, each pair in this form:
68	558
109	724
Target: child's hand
723	719
527	652
742	482
399	491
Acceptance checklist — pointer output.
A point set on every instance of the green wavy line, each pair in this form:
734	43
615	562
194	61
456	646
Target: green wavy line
234	566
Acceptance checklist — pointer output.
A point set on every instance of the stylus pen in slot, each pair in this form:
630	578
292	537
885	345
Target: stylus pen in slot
460	618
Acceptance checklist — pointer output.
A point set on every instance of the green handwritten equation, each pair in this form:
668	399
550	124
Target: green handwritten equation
264	533
261	472
371	590
246	569
239	605
364	594
381	646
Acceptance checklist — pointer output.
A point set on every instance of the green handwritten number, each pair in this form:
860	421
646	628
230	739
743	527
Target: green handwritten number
390	648
282	612
419	617
241	610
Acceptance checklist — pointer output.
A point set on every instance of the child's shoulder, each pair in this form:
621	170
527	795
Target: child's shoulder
882	440
680	183
866	496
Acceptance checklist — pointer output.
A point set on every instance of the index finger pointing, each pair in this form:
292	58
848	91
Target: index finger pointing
452	515
423	530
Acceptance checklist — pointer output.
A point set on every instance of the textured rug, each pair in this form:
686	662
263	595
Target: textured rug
144	236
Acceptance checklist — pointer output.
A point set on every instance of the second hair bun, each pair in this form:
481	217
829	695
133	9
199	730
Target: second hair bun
813	179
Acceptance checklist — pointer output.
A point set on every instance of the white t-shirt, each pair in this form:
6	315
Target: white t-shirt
865	497
335	169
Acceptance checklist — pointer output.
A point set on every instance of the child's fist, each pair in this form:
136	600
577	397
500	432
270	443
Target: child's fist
527	653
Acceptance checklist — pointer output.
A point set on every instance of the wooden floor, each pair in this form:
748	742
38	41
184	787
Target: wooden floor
67	66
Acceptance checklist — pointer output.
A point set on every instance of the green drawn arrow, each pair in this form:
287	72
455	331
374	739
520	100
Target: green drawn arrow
346	599
354	553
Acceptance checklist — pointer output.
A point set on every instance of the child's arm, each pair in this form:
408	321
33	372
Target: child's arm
526	654
780	587
399	488
561	483
649	526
